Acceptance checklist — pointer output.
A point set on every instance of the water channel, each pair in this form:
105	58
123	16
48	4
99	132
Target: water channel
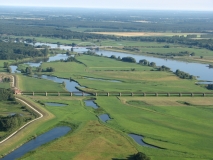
91	103
104	117
53	104
139	140
38	141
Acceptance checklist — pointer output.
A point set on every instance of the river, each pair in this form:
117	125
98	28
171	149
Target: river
202	71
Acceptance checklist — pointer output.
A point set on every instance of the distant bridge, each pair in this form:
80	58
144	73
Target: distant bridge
144	94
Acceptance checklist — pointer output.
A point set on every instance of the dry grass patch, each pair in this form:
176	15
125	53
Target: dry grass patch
91	141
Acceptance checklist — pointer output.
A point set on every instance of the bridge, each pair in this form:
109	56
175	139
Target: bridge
144	94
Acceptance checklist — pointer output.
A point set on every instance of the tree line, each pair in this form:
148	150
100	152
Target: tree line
15	51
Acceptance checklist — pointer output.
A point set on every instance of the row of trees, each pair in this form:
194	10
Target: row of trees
183	75
19	51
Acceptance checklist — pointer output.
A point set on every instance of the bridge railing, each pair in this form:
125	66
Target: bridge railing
153	94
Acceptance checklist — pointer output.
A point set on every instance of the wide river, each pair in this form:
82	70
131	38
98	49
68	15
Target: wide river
202	71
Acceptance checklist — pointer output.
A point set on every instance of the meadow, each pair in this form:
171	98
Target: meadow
31	84
182	131
89	138
110	69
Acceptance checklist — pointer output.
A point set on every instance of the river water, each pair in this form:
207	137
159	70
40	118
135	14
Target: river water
202	71
38	141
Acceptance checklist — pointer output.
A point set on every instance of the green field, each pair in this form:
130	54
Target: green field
180	125
110	69
4	85
184	131
31	84
82	142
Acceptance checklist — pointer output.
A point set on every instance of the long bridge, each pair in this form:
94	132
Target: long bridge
144	94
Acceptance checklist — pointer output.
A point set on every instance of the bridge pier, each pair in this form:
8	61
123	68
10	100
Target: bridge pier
192	94
108	94
70	93
45	93
180	95
168	94
96	94
156	94
144	94
132	94
203	94
58	93
120	94
33	93
82	93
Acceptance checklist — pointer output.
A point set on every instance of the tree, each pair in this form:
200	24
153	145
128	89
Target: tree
143	62
152	64
141	156
6	64
128	59
28	70
113	57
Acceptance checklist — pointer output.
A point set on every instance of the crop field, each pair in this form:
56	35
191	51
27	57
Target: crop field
147	34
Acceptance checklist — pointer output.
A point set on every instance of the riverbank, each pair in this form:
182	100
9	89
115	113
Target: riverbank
177	58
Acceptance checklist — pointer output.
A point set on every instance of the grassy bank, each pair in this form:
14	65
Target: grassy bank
28	132
90	137
141	78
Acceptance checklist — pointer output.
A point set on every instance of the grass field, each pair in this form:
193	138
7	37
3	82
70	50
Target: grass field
90	137
30	84
184	130
4	85
106	68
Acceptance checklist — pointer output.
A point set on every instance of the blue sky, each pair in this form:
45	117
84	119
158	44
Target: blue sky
130	4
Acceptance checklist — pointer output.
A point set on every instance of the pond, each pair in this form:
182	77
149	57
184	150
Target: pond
90	103
14	69
53	104
38	141
104	117
139	140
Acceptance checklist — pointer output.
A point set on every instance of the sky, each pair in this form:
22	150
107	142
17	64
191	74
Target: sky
200	5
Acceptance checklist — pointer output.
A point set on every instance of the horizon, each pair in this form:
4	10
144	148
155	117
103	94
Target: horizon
132	9
180	5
